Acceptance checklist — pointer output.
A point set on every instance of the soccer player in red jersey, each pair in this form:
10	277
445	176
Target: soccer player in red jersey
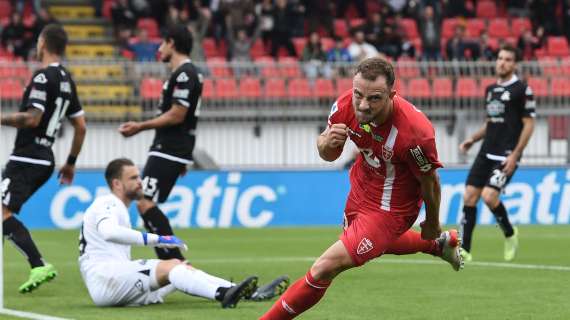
394	174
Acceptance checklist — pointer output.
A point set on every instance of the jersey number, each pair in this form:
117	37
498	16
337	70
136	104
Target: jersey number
55	120
149	186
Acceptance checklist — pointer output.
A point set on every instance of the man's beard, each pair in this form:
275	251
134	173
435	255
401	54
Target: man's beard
134	194
166	59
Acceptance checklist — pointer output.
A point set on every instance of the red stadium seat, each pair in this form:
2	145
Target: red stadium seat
448	27
557	46
539	86
341	28
299	44
210	48
549	66
419	88
274	88
407	68
226	88
324	88
150	26
486	9
299	88
519	25
565	65
267	66
208	89
560	86
249	87
218	67
467	88
559	127
151	88
5	9
400	87
485	82
356	22
328	43
410	27
11	89
258	49
442	87
342	85
475	26
289	67
499	28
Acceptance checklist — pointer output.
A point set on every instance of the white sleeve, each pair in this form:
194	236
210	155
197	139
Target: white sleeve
110	230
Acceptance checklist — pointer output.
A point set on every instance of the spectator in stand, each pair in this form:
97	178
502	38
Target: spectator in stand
543	13
14	38
173	18
264	12
319	13
242	13
458	46
123	17
143	49
430	32
517	8
360	49
239	47
339	56
407	48
391	42
487	52
314	58
342	7
43	18
198	29
398	7
457	8
283	18
374	28
528	43
20	4
566	18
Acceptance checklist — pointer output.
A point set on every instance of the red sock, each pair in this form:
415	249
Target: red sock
302	295
411	242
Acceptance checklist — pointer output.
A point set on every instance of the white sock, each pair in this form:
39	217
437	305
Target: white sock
166	290
215	280
190	281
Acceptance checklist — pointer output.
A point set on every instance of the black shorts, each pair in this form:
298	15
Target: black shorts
20	180
488	173
159	176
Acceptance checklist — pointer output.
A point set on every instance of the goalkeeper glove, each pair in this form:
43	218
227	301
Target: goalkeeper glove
154	240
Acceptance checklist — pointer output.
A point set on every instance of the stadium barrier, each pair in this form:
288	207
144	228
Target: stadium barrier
254	199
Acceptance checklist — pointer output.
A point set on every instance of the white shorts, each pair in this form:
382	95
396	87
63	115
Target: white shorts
123	283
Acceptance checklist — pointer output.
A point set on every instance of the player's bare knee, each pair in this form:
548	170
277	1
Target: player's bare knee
490	197
471	197
326	269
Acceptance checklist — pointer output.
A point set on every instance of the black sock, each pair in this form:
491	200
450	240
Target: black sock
220	293
502	218
467	225
156	222
21	238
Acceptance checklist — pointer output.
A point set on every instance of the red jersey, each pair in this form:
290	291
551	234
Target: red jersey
392	156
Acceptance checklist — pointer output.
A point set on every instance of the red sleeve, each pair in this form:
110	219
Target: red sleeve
422	156
336	115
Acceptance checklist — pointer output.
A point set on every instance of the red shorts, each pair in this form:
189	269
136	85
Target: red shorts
368	235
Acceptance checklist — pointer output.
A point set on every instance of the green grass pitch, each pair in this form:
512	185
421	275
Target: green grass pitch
391	287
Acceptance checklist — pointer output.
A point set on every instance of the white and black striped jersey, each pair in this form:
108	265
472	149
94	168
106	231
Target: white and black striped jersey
52	91
506	105
184	88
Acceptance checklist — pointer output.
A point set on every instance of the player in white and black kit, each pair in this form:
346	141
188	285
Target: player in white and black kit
105	241
507	129
171	150
49	97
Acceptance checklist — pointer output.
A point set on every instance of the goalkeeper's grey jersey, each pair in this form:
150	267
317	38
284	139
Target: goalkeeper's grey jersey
92	245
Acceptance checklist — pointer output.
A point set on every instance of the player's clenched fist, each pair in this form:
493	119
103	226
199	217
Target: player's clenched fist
336	135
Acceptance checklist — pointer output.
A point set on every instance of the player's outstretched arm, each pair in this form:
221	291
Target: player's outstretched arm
28	119
331	142
431	194
172	117
478	135
67	172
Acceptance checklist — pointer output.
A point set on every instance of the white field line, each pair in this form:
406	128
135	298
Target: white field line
29	315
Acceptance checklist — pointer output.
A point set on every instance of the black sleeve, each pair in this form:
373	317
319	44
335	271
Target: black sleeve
529	104
183	86
39	88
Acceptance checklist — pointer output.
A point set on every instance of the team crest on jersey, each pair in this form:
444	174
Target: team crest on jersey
40	78
182	77
364	246
387	153
506	96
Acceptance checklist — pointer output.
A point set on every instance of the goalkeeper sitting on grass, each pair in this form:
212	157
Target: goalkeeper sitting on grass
113	279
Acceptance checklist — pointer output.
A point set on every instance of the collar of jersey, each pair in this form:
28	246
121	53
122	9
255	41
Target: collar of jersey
507	83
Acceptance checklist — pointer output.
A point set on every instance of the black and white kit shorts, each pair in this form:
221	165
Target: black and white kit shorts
20	180
488	173
160	174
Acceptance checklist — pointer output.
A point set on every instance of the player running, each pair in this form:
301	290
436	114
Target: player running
50	96
395	171
505	133
113	279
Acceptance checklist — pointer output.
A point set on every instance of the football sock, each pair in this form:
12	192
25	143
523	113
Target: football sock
500	213
467	225
192	282
156	222
302	295
215	280
166	290
21	238
411	242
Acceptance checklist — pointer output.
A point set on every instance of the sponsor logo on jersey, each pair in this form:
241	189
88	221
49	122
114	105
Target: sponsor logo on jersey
530	104
506	96
387	153
182	77
364	246
420	158
40	78
354	133
65	87
181	93
495	108
38	95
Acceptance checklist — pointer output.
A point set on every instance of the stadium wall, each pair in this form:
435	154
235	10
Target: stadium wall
254	199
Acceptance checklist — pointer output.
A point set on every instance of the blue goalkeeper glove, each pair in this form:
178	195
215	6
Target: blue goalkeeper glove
154	240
